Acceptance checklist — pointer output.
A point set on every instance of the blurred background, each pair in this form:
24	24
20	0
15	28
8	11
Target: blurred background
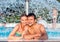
10	11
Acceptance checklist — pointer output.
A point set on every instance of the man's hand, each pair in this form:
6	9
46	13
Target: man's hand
30	37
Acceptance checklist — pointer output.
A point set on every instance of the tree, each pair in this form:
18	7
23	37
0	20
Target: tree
58	0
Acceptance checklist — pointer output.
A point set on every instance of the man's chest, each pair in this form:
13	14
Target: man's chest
34	30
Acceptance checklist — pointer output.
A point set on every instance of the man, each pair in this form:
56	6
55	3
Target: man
35	31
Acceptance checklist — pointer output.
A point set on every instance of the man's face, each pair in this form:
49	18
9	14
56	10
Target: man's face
31	20
24	20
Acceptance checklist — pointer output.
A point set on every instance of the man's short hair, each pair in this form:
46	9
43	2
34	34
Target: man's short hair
23	15
32	14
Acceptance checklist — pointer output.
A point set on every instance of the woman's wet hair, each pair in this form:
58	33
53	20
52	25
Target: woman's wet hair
23	15
32	14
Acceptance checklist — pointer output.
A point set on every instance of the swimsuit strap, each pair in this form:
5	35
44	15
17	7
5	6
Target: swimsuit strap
18	27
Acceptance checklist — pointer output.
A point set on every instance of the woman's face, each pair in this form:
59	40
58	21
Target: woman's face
24	20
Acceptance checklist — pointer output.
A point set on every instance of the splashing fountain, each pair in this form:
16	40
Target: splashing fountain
54	16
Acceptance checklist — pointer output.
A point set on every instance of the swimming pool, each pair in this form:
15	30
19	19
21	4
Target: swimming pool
52	33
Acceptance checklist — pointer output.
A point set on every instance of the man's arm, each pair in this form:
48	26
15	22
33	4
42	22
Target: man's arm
30	37
44	35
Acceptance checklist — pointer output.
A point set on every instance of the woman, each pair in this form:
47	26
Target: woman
18	31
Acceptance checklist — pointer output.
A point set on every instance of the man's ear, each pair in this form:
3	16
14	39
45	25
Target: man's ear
35	20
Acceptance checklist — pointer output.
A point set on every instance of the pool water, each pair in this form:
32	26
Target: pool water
52	33
4	31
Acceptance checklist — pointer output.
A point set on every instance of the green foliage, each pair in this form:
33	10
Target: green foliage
13	12
58	0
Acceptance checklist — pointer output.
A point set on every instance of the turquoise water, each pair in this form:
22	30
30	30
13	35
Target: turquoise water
4	31
52	33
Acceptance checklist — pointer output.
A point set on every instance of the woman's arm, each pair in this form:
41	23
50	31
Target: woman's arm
12	34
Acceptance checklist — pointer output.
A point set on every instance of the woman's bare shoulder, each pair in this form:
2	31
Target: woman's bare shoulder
17	24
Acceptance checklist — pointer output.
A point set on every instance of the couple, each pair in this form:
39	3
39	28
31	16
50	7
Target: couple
28	29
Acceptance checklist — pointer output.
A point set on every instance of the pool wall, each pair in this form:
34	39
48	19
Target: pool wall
13	25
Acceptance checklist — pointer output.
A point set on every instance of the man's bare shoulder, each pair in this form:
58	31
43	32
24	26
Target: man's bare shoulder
39	25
